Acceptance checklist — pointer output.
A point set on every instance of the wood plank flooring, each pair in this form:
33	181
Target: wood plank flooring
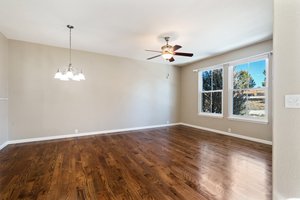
166	163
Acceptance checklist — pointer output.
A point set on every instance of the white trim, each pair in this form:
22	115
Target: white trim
250	59
3	99
248	119
269	53
213	115
4	145
229	134
82	134
131	129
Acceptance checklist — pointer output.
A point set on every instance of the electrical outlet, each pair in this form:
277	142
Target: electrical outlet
168	122
76	131
229	130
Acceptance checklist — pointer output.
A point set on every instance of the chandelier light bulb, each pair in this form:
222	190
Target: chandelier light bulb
64	77
58	74
81	76
69	74
76	77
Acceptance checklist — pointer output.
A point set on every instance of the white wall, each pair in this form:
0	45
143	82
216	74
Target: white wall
286	131
189	96
118	92
3	89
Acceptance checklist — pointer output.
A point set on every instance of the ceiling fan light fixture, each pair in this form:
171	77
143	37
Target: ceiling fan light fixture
167	55
168	52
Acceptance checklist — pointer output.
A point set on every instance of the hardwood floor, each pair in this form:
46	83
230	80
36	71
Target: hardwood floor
165	163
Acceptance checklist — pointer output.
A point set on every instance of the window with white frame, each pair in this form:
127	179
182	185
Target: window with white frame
211	91
248	89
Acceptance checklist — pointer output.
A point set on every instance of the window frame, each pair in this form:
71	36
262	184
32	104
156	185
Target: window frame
200	91
231	116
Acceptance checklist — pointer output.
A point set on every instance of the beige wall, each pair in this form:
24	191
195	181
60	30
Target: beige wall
3	89
286	147
118	92
189	96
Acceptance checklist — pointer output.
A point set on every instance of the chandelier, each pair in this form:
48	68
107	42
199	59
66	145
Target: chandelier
70	73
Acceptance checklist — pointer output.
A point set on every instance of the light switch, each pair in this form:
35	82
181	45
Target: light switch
292	101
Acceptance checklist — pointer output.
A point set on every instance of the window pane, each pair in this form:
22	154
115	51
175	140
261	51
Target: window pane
257	71
206	102
217	102
206	80
217	79
240	76
239	103
256	103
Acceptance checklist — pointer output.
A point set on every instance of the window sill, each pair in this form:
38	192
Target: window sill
210	115
258	121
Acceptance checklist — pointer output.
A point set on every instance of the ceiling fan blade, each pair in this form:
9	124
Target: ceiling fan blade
171	59
153	57
183	54
176	47
153	51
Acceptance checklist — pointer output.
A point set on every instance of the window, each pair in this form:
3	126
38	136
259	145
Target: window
211	91
248	90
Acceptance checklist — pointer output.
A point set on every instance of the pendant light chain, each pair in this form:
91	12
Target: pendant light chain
70	48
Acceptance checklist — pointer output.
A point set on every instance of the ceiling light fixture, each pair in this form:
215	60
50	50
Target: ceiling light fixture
167	55
167	50
70	73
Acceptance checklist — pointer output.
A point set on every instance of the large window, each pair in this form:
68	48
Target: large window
248	90
211	91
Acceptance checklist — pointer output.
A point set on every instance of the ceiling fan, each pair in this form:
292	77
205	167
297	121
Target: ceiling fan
168	52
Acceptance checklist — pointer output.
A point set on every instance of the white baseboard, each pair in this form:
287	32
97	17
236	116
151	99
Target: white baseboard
131	129
3	145
229	134
82	134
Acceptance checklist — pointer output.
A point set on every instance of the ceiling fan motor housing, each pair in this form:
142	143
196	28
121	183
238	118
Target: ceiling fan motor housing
167	49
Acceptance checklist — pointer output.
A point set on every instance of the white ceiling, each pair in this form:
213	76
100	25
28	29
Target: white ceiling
127	27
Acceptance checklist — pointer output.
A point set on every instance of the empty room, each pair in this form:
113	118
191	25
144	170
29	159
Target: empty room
161	100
